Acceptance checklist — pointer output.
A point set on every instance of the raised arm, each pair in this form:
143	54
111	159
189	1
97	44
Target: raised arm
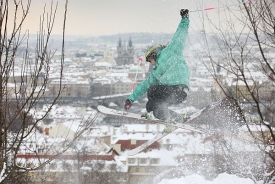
178	41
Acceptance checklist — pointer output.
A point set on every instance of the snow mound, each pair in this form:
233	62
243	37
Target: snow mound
197	179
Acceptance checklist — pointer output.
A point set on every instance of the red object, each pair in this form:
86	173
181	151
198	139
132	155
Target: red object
134	85
47	130
209	8
67	157
126	144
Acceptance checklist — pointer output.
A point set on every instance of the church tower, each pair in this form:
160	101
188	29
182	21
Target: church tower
130	47
119	47
125	53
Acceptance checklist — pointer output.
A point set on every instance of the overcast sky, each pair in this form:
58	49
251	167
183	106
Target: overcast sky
106	17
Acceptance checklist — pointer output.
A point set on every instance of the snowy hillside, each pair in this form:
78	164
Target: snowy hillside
197	179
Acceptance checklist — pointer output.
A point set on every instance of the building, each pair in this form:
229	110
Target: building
69	87
125	53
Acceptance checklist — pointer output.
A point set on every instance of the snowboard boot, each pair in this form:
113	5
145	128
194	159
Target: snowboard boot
168	129
178	118
148	116
144	115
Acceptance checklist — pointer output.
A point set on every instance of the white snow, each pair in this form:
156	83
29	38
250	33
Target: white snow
197	179
2	174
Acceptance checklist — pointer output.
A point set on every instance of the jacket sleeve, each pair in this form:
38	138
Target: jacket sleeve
177	43
142	88
173	52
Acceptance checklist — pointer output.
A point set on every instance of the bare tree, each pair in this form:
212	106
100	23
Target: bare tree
25	74
240	50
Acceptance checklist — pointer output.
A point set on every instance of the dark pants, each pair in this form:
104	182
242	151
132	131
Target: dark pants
161	97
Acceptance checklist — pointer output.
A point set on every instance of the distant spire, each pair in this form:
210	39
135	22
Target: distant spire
119	42
130	42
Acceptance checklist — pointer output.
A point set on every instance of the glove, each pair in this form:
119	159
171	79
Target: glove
128	104
184	13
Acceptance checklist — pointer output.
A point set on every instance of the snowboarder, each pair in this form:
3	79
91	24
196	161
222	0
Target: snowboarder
170	77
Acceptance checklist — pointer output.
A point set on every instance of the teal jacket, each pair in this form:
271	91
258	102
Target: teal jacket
171	67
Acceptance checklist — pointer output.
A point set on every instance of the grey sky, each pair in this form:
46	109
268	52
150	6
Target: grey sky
105	17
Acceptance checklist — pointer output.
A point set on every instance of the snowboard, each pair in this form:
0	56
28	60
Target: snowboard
160	135
113	112
185	125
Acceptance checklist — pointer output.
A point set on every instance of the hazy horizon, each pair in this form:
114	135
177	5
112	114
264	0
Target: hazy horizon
111	17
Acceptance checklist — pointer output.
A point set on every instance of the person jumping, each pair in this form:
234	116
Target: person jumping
169	79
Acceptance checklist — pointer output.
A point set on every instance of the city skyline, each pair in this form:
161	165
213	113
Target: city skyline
108	17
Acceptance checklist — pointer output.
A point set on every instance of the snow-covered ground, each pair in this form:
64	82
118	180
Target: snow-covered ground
197	179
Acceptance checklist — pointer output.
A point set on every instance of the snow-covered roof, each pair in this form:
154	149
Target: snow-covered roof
103	64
